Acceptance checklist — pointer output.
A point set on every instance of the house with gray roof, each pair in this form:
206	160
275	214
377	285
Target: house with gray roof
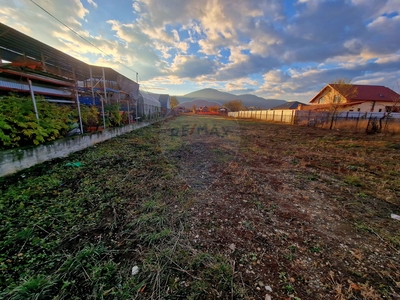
289	105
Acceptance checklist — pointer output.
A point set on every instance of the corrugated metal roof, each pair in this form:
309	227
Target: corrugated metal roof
16	46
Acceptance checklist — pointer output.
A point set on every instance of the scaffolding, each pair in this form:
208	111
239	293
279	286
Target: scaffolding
34	69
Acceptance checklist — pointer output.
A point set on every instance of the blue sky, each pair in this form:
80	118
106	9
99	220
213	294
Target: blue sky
271	48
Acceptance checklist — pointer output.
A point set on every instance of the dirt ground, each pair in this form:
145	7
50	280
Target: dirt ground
207	208
299	211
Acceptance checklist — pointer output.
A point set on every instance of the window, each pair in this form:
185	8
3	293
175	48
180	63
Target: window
336	99
321	100
358	109
350	110
380	110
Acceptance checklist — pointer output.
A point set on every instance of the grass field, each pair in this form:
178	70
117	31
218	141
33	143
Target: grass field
249	210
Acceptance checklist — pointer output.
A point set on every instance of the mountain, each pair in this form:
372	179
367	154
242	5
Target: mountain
211	94
218	97
188	102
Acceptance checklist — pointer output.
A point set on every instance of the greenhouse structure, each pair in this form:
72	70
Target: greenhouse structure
148	107
30	68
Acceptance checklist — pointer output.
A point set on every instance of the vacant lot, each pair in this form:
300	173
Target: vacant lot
207	208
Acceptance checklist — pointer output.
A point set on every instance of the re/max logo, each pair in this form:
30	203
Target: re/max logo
188	130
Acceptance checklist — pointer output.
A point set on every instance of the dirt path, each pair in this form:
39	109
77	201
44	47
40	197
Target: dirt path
289	224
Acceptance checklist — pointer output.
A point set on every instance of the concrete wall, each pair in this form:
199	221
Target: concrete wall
12	161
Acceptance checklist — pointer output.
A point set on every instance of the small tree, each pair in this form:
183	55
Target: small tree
340	90
393	108
235	105
194	107
174	102
213	108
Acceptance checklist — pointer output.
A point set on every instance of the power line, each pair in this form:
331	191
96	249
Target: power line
89	42
83	38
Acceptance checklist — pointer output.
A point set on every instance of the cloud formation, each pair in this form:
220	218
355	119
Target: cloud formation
276	48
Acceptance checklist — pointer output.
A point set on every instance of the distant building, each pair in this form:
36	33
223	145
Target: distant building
165	101
202	109
289	105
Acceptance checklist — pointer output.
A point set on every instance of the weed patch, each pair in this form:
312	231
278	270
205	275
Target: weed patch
278	210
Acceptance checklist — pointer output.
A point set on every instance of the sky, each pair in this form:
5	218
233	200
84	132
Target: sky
280	49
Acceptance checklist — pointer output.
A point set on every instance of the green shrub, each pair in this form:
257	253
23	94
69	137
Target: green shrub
114	117
19	126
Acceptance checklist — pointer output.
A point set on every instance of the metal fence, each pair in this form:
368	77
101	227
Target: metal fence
283	116
369	122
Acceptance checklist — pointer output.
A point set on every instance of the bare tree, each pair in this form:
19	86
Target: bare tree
235	105
339	91
394	108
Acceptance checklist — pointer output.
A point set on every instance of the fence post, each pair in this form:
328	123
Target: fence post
273	116
292	120
282	116
369	120
33	99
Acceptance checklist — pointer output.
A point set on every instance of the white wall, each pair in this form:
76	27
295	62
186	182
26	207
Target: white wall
367	106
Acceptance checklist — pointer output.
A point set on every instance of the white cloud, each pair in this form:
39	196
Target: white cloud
240	84
190	66
208	48
136	7
388	59
223	42
176	35
275	76
91	2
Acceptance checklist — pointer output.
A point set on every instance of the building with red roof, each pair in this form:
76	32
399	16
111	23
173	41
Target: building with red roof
363	98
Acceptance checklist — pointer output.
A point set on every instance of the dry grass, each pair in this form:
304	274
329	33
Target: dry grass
390	126
274	211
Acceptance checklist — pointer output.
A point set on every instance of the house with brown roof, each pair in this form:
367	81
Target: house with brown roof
363	98
289	105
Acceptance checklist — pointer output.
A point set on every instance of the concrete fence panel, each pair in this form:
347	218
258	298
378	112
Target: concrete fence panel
12	161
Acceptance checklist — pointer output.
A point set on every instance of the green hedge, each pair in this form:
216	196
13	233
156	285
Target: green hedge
19	126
